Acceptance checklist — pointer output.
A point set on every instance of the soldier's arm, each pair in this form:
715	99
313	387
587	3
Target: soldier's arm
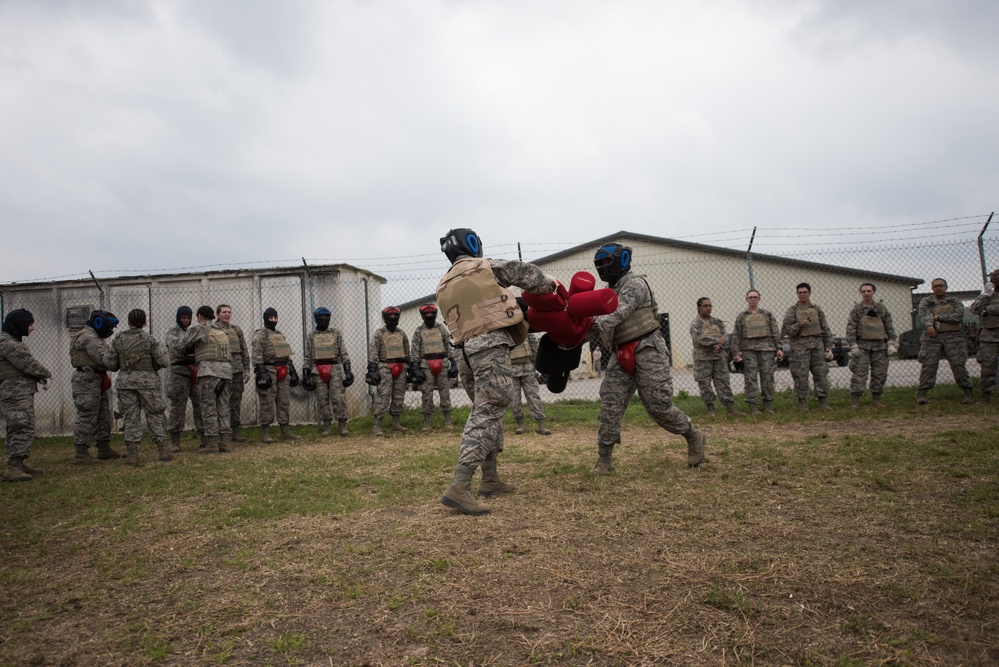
110	360
790	328
774	331
889	325
95	349
737	334
375	347
244	351
851	326
21	359
522	274
826	331
405	345
925	313
416	351
160	355
310	348
344	357
194	334
957	316
257	356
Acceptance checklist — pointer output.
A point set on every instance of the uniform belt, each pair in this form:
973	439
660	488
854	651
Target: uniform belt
395	360
183	363
644	335
433	356
325	361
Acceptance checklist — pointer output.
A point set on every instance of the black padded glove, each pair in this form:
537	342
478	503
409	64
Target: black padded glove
220	387
372	377
452	372
308	384
263	379
292	374
348	377
416	374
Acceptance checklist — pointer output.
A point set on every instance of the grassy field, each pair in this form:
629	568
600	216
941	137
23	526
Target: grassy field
828	538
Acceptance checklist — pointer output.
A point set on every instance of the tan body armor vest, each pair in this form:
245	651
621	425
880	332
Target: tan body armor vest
433	343
814	327
473	302
944	308
872	327
755	326
642	321
135	350
79	356
989	321
709	328
325	347
234	346
9	371
392	346
215	349
521	354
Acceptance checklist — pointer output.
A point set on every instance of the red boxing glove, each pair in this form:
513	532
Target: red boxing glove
592	303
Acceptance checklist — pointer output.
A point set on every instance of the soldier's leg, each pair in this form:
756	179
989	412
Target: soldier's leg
860	368
18	412
154	406
222	400
199	425
768	366
879	370
323	392
930	352
267	402
337	402
209	406
532	394
702	374
493	388
427	390
655	387
236	402
956	350
722	380
383	392
820	371
799	364
398	395
178	387
988	358
516	405
466	376
282	402
104	420
86	387
129	405
751	374
616	391
444	389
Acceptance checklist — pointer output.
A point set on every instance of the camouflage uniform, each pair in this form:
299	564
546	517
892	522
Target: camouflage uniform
390	391
92	401
240	357
332	393
710	366
986	306
137	357
214	379
873	359
433	349
275	401
808	349
757	346
652	378
179	387
950	344
525	379
19	374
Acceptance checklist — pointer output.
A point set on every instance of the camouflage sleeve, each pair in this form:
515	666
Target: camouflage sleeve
980	303
925	312
405	346
526	276
774	330
171	339
95	347
446	336
310	350
851	325
375	347
532	340
110	360
20	357
257	355
889	325
790	328
344	357
244	352
631	294
737	333
957	316
416	351
827	335
196	333
698	336
160	356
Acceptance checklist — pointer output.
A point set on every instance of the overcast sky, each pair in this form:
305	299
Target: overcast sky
188	133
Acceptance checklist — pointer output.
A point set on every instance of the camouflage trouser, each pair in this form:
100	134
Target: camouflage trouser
873	362
214	406
758	371
330	403
654	383
493	384
528	385
274	401
441	383
18	411
133	402
236	401
466	376
708	370
93	409
179	390
950	345
988	357
803	360
391	392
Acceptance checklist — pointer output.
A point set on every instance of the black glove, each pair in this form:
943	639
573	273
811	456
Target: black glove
452	372
220	387
372	377
348	377
263	377
416	374
308	384
292	374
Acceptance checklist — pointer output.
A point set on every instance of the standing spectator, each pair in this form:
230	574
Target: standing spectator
431	348
181	381
943	336
525	380
326	359
388	355
240	357
711	358
756	343
811	347
138	357
91	385
986	306
275	372
211	352
20	374
871	336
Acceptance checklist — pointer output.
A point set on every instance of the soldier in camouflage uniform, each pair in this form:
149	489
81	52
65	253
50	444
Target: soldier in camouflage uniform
91	385
485	321
641	361
181	381
942	317
138	357
871	335
275	373
327	361
525	380
212	353
756	343
431	348
811	347
240	356
711	357
389	368
20	374
986	306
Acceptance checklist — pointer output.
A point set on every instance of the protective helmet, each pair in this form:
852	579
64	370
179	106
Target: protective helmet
268	314
428	312
390	316
103	323
459	242
612	261
321	316
184	311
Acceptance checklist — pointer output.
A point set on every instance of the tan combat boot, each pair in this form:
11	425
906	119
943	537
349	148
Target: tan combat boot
753	410
343	427
969	396
225	443
695	446
286	433
397	424
605	462
164	450
491	484
327	427
541	430
83	457
520	426
174	442
768	407
447	419
459	494
14	472
265	434
132	453
211	445
236	437
426	423
23	465
106	453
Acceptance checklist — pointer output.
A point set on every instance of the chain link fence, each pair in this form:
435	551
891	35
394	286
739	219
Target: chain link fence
678	272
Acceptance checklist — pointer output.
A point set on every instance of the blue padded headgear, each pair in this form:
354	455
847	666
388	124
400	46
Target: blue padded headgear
612	261
103	322
459	242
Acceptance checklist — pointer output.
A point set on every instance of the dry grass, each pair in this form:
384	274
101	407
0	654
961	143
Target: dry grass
826	543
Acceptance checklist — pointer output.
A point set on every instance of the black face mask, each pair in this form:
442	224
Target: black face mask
430	321
268	314
17	322
322	322
391	322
